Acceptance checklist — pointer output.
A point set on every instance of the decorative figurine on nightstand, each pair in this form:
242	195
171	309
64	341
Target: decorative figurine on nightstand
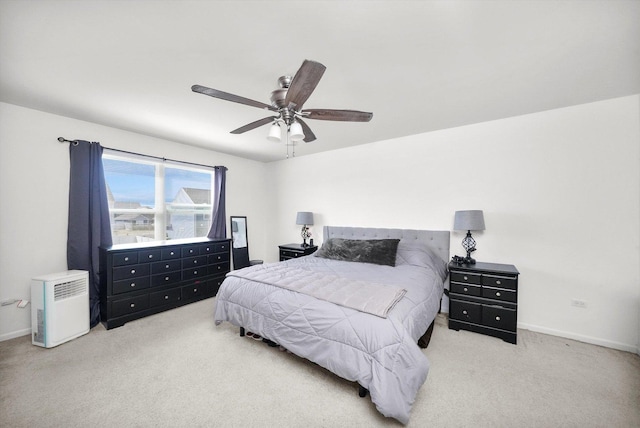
305	218
468	220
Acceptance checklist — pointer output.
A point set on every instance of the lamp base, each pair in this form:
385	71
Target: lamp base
469	261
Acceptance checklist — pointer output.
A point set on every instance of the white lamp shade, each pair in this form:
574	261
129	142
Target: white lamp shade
274	133
304	217
469	220
295	132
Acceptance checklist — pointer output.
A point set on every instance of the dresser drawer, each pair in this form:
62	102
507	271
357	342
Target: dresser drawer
165	266
213	285
465	311
129	272
509	282
170	253
130	305
192	291
221	247
160	298
193	262
466	289
123	259
190	250
218	258
149	255
290	254
130	285
166	278
499	317
194	273
219	268
466	277
499	294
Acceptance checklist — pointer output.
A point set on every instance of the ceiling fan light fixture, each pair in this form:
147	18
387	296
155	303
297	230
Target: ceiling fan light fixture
275	134
295	132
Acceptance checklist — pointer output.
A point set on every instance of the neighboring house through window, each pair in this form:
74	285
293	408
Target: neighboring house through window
152	201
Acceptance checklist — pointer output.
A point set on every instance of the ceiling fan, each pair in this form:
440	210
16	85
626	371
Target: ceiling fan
287	102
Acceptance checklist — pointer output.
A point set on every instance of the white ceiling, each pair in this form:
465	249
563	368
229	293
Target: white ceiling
418	66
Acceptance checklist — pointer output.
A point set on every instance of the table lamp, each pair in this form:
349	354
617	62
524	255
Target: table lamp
469	220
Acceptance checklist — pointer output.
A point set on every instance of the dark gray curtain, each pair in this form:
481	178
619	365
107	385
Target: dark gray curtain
89	226
218	217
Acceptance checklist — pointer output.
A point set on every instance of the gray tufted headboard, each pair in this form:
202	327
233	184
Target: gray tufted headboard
437	240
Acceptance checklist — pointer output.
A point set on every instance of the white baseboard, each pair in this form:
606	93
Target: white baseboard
581	338
14	334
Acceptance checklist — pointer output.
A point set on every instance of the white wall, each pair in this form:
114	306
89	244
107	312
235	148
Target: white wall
560	193
34	182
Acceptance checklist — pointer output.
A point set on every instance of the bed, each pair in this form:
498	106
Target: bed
366	328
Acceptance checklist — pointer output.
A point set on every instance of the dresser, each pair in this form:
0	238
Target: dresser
483	298
144	279
292	251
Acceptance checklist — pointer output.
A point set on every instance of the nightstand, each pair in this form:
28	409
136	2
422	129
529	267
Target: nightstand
483	298
291	251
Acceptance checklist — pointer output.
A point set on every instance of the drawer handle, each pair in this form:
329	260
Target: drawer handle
166	278
133	305
466	278
133	284
498	282
166	297
497	318
126	259
497	293
195	272
195	262
171	253
464	312
166	266
465	289
133	271
219	258
195	290
150	256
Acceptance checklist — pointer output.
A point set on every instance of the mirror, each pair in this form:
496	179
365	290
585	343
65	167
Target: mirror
239	245
239	231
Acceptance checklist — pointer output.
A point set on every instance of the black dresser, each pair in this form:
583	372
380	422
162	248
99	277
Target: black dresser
144	279
483	298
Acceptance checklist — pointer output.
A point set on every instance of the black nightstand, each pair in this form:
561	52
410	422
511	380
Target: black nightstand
483	298
291	251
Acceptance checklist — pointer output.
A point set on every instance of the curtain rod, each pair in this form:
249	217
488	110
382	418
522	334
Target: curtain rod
64	140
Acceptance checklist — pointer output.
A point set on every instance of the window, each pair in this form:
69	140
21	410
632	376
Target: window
153	201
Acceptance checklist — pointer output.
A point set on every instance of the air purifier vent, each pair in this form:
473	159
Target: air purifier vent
59	307
68	289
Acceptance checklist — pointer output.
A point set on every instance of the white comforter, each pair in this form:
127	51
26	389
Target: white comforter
381	354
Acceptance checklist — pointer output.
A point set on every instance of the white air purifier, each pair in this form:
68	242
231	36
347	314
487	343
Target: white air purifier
59	307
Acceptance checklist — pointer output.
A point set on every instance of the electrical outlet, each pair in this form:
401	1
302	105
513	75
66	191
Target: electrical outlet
578	303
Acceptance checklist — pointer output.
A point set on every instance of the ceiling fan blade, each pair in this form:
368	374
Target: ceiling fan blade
309	136
303	83
254	125
230	97
339	115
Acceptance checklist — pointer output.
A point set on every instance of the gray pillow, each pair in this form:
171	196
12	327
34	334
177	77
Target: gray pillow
415	253
377	251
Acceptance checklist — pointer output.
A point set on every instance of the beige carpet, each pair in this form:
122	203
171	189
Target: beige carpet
177	369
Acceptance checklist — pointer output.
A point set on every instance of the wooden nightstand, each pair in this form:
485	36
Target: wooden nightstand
291	251
483	298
